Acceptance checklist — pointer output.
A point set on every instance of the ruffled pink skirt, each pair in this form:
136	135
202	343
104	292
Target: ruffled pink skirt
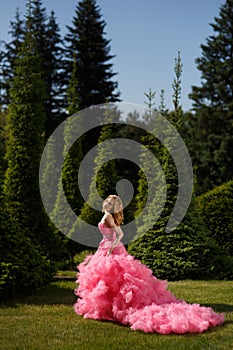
120	288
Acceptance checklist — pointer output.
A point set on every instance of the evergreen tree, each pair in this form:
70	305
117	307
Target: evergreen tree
162	106
25	124
185	252
102	181
94	71
72	158
2	147
75	154
49	44
54	75
69	179
9	56
210	128
23	269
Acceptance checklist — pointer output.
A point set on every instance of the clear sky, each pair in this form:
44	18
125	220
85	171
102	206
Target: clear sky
146	36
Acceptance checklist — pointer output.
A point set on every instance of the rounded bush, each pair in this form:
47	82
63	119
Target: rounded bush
215	207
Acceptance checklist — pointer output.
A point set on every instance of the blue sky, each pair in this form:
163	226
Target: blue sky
145	37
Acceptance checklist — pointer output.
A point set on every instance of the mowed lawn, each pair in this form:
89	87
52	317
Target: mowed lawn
46	320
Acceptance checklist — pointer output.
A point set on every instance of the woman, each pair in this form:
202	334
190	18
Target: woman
115	286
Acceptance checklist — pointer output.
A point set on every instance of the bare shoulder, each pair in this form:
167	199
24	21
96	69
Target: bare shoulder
109	221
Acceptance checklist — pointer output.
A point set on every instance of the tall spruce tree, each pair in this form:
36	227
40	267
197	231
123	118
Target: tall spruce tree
49	44
50	47
9	56
54	75
210	127
87	39
25	124
185	252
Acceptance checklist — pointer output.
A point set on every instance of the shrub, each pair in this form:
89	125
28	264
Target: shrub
215	207
185	253
22	268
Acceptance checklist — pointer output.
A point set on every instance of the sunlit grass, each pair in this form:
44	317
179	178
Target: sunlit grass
47	321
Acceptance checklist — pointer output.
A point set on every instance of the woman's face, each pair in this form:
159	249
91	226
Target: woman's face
108	204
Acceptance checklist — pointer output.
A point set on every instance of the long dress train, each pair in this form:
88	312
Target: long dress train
120	288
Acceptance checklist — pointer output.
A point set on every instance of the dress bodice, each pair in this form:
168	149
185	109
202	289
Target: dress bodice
109	236
107	232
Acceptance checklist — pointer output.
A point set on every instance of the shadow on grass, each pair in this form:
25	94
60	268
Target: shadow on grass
52	294
62	293
221	307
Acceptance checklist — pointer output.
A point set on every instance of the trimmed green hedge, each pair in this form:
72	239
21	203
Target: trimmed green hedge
216	209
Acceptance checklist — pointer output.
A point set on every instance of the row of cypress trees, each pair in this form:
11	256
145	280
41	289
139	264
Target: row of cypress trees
41	85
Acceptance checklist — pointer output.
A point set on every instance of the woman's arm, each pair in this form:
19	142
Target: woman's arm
119	233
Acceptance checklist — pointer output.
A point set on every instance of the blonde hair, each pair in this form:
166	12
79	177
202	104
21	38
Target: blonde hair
117	214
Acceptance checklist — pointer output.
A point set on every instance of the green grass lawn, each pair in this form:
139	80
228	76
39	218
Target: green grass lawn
47	321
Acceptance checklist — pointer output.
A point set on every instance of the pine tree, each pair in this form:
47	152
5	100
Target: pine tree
94	70
210	128
49	44
25	124
54	75
9	56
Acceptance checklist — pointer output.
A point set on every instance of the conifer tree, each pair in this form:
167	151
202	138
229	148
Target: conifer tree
70	169
210	128
49	44
185	252
2	147
102	181
23	269
72	157
54	75
9	56
25	124
86	38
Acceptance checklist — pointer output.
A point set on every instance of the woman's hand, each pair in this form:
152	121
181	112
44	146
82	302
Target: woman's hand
110	251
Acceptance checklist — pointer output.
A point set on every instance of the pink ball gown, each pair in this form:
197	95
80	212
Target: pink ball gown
120	288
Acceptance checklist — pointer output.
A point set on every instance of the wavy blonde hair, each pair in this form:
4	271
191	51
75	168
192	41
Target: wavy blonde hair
117	214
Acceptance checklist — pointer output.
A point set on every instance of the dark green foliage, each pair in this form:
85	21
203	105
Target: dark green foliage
215	208
70	170
210	128
49	45
25	124
74	155
2	147
94	71
53	68
8	56
22	268
187	251
104	179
